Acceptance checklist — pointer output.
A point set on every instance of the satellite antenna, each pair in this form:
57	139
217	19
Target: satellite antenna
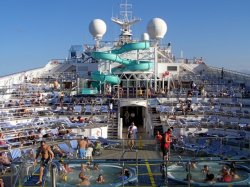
97	28
125	21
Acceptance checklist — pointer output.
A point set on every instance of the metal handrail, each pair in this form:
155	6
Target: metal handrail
122	159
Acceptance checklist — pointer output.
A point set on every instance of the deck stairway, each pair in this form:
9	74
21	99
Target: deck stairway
155	120
113	128
154	116
113	124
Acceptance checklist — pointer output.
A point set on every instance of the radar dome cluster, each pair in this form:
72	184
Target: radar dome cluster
97	28
156	29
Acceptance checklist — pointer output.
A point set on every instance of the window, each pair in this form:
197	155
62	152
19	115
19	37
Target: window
172	68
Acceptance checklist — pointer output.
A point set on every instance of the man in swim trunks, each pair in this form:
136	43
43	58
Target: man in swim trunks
46	156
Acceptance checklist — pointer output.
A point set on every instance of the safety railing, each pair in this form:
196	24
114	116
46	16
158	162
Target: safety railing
178	171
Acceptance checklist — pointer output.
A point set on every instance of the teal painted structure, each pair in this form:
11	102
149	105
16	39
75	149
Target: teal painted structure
110	78
128	65
89	91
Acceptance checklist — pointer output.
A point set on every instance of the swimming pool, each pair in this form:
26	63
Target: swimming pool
109	172
178	173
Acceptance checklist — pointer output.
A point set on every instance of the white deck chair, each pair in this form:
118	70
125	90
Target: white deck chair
89	153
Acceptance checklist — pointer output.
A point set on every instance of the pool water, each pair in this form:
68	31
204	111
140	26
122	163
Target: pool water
111	174
179	172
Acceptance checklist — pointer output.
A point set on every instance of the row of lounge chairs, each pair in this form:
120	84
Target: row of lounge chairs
211	147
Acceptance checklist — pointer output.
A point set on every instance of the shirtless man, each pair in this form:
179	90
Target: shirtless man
82	146
46	156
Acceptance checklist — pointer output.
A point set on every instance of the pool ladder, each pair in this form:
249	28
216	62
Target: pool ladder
123	165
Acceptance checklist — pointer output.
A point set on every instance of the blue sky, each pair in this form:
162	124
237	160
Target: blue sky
34	31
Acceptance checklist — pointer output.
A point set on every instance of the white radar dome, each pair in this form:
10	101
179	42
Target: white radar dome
145	37
97	28
157	28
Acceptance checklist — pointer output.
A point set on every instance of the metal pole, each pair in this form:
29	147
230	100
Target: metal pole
136	89
118	91
147	89
137	167
53	175
127	89
165	170
155	60
189	174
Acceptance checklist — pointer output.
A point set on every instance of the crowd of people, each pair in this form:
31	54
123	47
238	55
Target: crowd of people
226	174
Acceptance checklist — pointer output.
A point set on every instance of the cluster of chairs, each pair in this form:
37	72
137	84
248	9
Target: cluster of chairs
69	148
211	147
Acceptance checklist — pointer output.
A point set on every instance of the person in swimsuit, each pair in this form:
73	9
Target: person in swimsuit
46	156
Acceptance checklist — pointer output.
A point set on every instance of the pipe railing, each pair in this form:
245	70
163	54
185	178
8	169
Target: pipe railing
186	162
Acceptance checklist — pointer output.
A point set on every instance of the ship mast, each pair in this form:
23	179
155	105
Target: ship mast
125	22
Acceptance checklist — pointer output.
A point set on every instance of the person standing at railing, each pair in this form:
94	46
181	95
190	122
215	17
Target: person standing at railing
158	139
111	105
165	144
82	147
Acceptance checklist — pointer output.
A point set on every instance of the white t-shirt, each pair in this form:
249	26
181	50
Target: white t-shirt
111	106
134	130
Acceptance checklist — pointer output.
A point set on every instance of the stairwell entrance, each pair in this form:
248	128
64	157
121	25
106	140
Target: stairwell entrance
132	114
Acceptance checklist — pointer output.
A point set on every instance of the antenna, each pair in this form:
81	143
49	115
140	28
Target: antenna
181	54
125	21
125	11
112	10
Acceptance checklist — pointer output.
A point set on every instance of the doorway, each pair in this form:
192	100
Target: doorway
132	114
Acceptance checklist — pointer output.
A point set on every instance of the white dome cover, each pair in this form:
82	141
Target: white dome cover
145	37
97	28
157	28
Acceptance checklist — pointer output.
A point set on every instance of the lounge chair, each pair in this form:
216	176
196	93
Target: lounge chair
67	150
108	143
29	157
89	153
15	154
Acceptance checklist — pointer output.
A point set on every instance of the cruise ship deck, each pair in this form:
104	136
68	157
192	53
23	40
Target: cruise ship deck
95	95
